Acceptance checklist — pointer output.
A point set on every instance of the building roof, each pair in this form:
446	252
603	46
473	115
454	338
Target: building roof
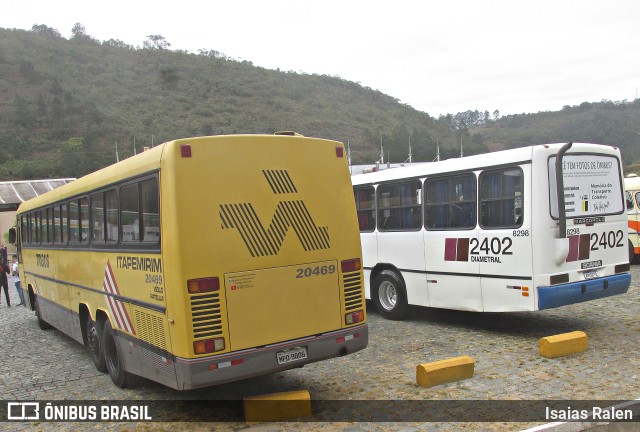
13	193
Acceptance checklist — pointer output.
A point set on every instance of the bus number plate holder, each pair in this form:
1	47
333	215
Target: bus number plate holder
291	355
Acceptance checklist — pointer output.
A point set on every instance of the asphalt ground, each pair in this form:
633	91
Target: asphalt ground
358	392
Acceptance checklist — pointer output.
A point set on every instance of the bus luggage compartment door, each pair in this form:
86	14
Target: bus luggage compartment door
282	303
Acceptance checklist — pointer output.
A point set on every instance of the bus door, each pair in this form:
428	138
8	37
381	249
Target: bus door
504	246
400	241
451	233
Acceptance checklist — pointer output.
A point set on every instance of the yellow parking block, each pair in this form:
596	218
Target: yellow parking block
563	344
277	406
444	371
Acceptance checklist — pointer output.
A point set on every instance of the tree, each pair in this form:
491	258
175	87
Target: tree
156	42
47	31
117	43
79	33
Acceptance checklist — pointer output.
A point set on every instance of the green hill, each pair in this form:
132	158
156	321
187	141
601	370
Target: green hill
66	105
606	122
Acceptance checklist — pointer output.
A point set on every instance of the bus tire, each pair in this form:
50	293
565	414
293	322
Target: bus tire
95	344
390	295
114	357
632	253
42	324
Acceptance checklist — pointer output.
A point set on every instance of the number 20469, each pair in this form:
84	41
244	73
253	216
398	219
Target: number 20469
311	271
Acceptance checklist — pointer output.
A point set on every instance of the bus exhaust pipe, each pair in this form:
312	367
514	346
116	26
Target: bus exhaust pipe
561	249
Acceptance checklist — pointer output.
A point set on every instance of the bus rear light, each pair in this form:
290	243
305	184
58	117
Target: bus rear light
354	317
339	151
207	346
185	150
203	285
622	268
351	265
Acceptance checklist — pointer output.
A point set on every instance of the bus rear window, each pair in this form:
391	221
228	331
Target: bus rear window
592	185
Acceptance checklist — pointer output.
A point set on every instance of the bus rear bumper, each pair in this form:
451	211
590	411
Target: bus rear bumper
582	291
220	369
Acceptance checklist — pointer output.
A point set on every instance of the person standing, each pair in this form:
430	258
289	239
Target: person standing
16	280
4	284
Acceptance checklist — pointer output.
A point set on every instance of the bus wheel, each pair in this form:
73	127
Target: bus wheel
390	295
632	253
113	357
41	323
94	343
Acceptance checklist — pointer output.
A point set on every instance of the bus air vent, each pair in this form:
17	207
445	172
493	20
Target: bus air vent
205	315
353	298
150	329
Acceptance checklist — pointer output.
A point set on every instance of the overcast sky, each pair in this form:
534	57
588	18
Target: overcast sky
439	56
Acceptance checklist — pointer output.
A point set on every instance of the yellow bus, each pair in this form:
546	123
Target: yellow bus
203	260
632	192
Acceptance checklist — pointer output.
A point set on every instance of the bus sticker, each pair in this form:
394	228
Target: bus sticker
591	185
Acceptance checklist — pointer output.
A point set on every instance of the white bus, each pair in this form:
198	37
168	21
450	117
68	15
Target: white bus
485	233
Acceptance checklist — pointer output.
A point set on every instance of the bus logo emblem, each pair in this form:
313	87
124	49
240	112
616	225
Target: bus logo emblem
261	241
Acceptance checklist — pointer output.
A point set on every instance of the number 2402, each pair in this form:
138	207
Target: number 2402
495	246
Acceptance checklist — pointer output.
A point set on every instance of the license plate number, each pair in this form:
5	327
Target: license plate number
591	274
291	355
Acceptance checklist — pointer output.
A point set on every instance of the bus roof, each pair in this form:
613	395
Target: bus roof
632	182
144	162
522	154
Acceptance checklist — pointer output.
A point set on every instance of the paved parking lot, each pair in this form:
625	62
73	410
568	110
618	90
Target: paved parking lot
46	365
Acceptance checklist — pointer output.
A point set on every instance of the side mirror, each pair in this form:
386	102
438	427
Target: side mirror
13	236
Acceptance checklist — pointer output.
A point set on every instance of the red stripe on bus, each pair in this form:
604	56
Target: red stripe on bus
463	249
450	246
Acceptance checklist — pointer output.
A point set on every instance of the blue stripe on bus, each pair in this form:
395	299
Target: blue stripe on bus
577	292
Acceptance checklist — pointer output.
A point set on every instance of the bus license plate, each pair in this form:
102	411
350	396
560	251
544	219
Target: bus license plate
591	274
291	355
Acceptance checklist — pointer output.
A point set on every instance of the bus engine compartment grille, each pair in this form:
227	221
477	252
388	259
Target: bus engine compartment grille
353	298
151	329
206	315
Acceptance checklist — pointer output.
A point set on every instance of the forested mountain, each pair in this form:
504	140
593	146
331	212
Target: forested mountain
67	105
605	122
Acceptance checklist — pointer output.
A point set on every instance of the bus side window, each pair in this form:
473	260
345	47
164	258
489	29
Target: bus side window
97	218
637	200
365	206
74	222
399	208
129	213
501	198
150	198
450	202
